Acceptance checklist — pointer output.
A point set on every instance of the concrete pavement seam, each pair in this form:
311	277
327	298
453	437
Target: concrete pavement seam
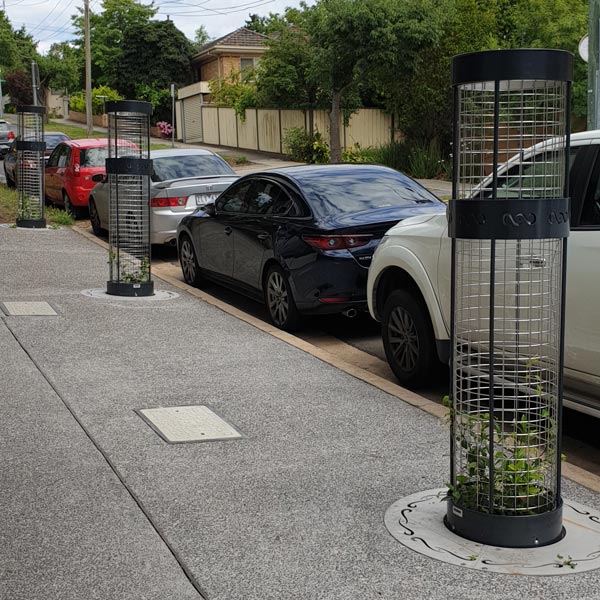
569	470
186	571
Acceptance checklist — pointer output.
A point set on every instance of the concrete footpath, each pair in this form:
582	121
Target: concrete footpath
95	505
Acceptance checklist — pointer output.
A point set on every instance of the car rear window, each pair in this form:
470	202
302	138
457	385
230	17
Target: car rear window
4	127
193	165
93	157
361	190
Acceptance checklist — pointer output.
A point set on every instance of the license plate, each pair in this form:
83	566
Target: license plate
202	199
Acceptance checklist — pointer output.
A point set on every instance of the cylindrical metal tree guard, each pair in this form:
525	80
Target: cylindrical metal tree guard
31	148
508	234
128	169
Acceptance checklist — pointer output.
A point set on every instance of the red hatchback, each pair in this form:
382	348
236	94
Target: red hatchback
69	173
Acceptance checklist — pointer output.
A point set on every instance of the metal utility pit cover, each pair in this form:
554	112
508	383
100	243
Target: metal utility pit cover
181	424
417	522
28	309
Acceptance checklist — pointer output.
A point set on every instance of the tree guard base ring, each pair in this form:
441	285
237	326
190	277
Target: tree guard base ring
31	223
506	531
129	289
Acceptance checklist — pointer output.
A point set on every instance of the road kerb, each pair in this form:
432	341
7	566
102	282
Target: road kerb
569	470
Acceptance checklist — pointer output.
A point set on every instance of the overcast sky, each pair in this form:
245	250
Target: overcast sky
49	21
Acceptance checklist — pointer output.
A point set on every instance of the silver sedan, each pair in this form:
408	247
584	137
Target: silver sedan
182	180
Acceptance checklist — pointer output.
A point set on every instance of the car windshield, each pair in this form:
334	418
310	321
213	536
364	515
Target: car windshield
191	165
93	157
344	191
4	127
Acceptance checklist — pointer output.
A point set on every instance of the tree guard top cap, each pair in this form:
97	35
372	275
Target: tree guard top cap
506	65
128	106
40	110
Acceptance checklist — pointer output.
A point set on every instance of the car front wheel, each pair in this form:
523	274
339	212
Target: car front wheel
280	301
408	340
189	263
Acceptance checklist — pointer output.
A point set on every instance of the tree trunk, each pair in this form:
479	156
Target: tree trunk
334	128
311	122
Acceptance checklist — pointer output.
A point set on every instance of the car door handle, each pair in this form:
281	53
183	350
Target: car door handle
263	236
228	231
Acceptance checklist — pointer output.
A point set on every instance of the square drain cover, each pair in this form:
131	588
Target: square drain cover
28	309
180	424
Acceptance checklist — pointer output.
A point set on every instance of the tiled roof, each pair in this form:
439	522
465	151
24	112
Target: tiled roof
242	37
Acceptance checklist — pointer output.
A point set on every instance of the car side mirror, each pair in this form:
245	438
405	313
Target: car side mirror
209	209
99	178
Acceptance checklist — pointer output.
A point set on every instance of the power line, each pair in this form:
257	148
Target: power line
215	12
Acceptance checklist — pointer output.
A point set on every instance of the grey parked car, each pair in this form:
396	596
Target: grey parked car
182	180
7	135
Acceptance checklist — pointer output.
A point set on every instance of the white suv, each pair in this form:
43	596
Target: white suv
408	289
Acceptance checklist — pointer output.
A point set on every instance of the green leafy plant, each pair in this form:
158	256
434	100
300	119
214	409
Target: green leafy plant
520	462
237	91
302	148
100	95
59	217
425	160
356	154
566	562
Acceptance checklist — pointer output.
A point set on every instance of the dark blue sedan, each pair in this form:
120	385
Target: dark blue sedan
299	238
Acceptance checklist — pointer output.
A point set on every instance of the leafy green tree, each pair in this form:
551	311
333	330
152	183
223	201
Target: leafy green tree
346	37
285	74
9	53
267	25
201	37
109	31
166	56
62	67
237	91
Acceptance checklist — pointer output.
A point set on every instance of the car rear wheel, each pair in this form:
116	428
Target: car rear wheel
76	211
189	263
95	218
10	182
280	301
408	340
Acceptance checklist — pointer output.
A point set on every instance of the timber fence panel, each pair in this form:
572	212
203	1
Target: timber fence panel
269	136
247	131
228	127
369	127
210	125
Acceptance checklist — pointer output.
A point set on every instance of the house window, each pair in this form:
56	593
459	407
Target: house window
248	63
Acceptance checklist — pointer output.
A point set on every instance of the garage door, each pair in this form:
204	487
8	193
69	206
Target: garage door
192	118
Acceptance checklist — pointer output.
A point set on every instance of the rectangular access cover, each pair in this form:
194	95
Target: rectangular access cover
181	424
28	309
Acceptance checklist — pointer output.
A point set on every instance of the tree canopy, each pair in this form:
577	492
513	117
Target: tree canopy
166	56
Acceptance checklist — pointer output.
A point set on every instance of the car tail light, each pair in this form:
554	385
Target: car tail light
168	202
76	169
336	242
11	135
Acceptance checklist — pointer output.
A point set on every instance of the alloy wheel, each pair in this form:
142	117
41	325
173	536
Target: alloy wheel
188	261
403	338
277	298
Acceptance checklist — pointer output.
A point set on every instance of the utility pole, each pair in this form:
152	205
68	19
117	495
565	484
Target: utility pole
34	83
172	115
1	97
88	70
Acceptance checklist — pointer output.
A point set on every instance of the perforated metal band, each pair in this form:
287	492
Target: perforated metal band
128	166
528	219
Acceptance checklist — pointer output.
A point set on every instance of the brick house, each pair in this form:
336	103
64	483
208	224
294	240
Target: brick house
235	51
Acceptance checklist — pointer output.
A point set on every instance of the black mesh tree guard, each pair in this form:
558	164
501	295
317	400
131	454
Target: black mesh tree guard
128	169
31	148
508	234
